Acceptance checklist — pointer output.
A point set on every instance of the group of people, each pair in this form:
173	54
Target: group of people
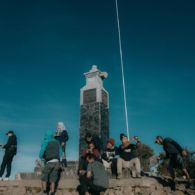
95	161
125	156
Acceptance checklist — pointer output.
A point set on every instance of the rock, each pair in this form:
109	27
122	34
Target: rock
127	186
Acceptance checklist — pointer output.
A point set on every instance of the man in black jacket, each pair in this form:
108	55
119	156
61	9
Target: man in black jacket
128	157
175	153
10	150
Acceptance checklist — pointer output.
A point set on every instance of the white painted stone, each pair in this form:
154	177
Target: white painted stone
94	80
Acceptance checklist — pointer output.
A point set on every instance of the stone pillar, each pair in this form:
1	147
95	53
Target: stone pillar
94	108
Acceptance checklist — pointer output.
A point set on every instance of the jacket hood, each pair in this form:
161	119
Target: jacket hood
49	135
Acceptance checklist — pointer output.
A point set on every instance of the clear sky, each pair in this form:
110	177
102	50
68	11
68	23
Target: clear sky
46	46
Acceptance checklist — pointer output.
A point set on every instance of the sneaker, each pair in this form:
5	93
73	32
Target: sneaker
6	179
119	176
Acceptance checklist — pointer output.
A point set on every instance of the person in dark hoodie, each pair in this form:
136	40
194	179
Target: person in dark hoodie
10	150
109	156
128	157
175	153
51	152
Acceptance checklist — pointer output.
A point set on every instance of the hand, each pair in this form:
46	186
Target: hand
184	153
82	172
62	144
158	158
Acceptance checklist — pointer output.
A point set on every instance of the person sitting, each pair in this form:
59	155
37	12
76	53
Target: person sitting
91	149
109	156
128	157
95	139
96	178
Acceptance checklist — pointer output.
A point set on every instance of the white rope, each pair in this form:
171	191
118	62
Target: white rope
122	69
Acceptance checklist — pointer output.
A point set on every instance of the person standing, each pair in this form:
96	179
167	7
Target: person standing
62	137
10	150
51	153
175	153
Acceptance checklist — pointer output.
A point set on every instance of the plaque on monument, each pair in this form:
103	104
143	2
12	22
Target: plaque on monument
89	96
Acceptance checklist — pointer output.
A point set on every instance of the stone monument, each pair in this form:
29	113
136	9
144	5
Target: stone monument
94	108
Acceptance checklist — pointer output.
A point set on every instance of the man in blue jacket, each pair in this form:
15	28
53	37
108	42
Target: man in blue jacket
51	153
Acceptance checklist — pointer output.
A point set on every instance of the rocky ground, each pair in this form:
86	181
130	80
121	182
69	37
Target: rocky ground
128	186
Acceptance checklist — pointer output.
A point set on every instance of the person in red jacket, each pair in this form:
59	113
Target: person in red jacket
91	149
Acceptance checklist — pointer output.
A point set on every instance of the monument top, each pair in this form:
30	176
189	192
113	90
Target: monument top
94	85
95	72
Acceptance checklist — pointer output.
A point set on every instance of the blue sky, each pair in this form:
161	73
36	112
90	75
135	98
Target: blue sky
45	47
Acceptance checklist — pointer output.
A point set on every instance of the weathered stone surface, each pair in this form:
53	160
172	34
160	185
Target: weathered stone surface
94	118
143	186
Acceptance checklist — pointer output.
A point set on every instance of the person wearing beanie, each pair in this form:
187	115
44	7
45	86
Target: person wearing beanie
10	151
109	156
128	157
62	136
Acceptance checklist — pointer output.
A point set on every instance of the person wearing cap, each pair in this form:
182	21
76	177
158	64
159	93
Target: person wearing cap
109	156
62	137
175	153
10	151
128	157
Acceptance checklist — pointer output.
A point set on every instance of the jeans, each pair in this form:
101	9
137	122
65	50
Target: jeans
7	162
